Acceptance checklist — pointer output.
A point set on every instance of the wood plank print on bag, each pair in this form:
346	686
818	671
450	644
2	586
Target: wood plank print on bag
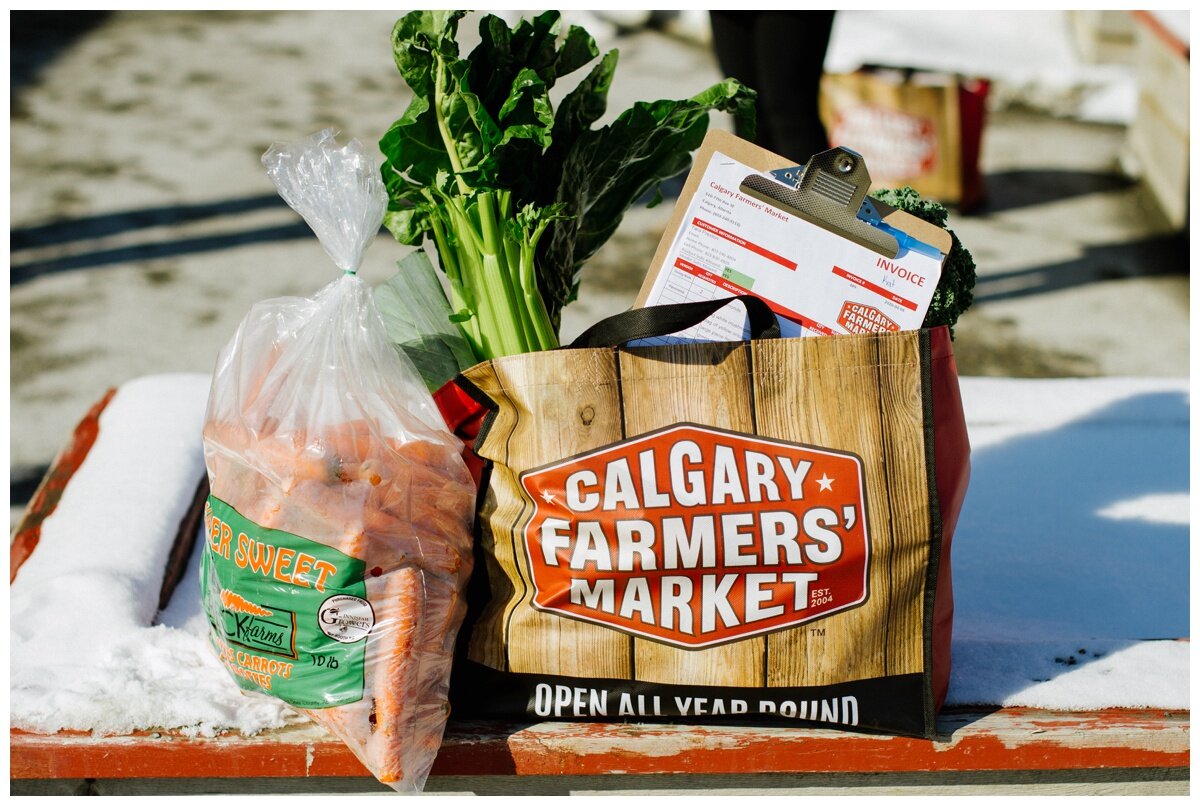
703	384
847	402
854	394
554	409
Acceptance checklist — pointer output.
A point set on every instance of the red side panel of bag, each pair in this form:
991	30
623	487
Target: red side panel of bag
464	416
952	468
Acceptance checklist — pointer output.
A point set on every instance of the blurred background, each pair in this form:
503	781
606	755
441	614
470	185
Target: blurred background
143	225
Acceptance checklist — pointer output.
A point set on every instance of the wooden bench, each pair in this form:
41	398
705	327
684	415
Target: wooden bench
1007	749
978	751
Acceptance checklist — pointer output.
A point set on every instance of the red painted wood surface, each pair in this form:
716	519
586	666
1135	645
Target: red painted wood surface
1008	739
29	531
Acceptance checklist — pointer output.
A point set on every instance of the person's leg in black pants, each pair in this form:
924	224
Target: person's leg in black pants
781	54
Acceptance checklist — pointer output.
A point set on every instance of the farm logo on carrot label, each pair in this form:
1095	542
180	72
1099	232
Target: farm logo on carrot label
696	536
346	619
858	318
258	628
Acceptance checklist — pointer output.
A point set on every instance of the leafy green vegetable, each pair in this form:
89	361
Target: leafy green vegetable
954	292
606	170
418	321
514	194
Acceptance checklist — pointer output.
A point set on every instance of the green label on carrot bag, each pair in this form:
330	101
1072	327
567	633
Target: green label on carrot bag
288	616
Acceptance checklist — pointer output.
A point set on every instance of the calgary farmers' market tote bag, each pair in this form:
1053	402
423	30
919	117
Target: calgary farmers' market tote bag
756	529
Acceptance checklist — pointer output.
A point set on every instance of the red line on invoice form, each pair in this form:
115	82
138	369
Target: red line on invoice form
878	289
733	288
740	241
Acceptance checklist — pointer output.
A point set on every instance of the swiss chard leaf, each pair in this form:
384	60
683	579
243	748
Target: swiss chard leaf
472	131
414	149
407	224
512	72
416	37
608	169
527	112
418	321
502	53
581	107
533	45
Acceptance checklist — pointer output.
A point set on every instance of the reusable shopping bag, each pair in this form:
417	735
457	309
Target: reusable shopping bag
744	530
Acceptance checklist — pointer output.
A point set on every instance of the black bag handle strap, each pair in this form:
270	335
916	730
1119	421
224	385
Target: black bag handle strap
662	320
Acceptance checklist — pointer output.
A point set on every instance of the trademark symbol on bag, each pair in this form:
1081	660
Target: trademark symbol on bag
696	536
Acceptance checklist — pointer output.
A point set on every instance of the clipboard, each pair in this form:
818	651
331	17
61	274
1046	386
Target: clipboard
829	191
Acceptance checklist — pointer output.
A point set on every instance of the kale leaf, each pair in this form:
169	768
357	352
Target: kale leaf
955	288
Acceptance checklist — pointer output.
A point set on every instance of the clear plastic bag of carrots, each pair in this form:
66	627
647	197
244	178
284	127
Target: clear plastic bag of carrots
339	521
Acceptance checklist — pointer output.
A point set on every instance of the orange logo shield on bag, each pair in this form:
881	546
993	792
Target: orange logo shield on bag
858	318
696	536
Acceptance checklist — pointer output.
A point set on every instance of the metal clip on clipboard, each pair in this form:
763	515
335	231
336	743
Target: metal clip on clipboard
830	190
